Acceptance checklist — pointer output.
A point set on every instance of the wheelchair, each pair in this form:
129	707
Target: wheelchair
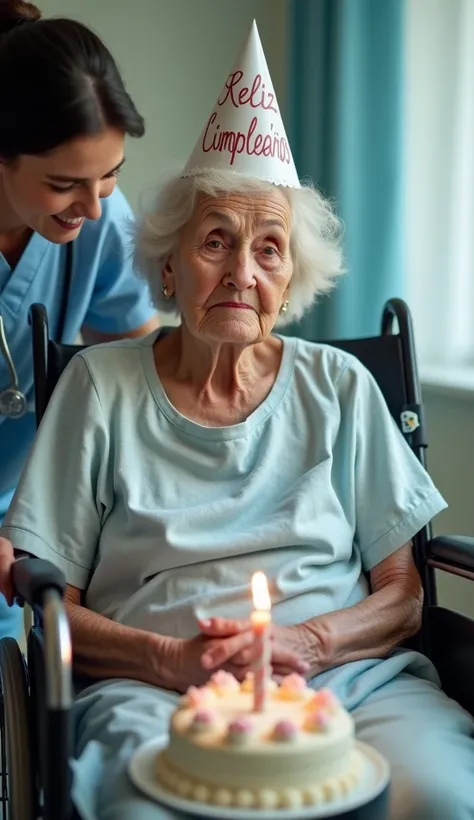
37	693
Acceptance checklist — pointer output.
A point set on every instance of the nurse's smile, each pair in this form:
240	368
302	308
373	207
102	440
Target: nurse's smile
68	224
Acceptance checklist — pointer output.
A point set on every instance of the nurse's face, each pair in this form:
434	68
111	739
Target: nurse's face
55	192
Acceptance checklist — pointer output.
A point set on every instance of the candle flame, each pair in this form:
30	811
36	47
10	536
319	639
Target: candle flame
260	594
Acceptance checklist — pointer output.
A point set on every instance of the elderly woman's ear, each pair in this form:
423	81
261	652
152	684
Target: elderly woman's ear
167	279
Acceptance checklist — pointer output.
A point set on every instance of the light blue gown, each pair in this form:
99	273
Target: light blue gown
160	519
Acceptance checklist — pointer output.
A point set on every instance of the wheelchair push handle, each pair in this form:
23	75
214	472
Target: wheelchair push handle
34	577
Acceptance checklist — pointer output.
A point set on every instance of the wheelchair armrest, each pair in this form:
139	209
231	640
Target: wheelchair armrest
453	553
41	585
33	578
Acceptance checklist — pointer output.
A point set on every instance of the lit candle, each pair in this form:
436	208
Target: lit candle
261	620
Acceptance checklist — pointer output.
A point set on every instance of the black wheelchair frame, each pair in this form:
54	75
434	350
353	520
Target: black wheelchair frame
37	695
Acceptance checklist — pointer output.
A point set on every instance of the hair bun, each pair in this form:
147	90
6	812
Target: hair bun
15	12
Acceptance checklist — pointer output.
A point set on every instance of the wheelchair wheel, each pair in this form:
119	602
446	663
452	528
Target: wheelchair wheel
18	798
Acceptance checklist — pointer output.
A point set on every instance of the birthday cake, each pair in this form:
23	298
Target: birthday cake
298	751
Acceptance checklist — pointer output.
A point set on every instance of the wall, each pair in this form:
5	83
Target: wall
175	56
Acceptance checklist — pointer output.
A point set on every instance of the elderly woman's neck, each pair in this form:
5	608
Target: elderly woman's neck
216	383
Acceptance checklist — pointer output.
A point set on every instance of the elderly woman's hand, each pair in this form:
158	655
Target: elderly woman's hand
293	647
191	661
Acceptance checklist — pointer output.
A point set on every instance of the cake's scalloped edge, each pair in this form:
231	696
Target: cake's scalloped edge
324	792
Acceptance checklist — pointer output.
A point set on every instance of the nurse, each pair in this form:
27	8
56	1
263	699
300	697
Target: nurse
63	222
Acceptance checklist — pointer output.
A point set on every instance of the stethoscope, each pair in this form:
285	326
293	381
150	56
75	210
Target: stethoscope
13	402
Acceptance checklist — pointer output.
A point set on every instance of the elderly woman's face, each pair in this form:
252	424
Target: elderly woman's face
232	268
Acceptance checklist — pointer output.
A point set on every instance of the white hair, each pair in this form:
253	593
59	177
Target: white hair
315	244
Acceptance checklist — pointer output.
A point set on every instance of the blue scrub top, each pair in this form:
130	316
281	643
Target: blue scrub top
105	294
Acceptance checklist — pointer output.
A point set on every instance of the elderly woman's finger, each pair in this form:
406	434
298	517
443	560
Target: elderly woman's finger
224	649
222	627
248	655
7	559
289	659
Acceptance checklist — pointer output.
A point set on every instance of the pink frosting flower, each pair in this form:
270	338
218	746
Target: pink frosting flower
318	720
285	730
240	730
224	681
324	699
204	715
241	725
293	686
197	696
203	719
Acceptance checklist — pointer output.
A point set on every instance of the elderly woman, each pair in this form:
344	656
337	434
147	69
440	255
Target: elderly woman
178	465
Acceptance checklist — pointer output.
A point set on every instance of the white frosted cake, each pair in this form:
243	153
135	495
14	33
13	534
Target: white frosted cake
299	751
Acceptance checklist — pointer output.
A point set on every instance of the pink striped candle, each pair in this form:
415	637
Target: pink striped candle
261	623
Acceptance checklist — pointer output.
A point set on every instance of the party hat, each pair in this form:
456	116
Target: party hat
244	132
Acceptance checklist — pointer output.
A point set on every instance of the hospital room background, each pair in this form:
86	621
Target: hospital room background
359	84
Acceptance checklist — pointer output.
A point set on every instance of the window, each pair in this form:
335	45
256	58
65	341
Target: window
439	190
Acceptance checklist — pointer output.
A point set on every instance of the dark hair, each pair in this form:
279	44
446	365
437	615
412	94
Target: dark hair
57	81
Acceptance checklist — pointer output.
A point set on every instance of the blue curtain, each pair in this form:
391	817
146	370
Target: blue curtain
345	128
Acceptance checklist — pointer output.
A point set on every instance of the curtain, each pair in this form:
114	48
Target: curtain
345	96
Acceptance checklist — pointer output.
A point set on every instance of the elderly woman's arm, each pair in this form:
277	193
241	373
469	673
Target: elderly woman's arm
376	625
105	649
369	629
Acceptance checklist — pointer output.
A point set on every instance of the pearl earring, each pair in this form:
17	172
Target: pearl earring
165	291
284	307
